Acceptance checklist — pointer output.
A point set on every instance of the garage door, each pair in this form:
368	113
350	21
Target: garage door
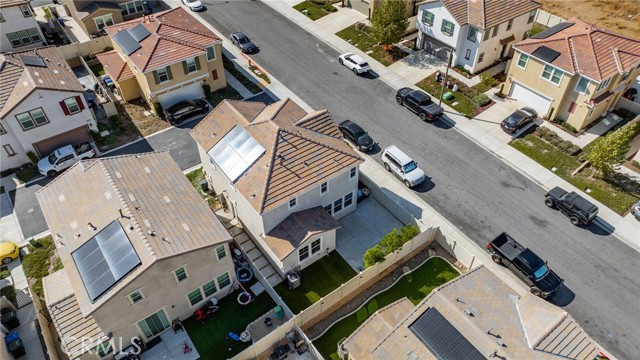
72	137
188	92
527	96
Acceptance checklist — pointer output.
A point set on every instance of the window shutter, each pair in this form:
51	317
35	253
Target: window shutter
155	77
197	63
214	73
169	75
64	107
572	107
80	103
184	67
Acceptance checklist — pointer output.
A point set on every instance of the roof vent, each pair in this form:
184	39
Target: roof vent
131	197
56	71
61	198
90	226
305	163
73	224
166	199
118	175
185	227
107	195
252	195
77	235
213	134
470	311
151	233
147	170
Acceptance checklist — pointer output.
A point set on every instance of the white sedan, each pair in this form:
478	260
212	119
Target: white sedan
194	5
354	63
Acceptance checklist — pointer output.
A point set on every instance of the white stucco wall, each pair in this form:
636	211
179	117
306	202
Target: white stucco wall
15	21
440	13
20	157
327	244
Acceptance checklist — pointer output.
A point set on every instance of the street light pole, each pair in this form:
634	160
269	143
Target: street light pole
446	72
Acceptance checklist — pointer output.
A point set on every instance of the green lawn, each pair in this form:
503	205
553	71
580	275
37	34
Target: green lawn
318	280
465	106
314	11
364	42
211	339
548	156
415	286
97	70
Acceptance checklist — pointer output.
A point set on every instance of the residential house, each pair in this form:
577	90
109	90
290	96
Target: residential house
286	174
93	16
573	71
477	33
164	58
367	7
475	316
42	106
140	248
19	28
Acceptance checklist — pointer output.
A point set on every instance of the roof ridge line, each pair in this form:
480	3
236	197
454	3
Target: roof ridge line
268	177
299	134
146	63
574	58
179	41
593	51
188	30
614	51
310	116
279	108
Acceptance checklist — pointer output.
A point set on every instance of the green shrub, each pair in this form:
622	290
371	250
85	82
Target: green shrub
626	114
635	163
207	90
107	48
57	265
10	292
500	93
573	150
33	157
157	108
373	256
329	8
482	99
4	272
555	141
391	242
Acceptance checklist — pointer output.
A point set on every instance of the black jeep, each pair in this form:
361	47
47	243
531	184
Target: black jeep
577	208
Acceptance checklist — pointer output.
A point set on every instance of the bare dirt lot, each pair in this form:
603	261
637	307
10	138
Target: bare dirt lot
621	16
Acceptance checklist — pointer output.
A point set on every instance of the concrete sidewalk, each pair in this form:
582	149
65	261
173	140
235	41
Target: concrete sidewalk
625	228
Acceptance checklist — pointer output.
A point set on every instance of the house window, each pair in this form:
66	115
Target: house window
485	37
603	85
427	18
624	76
24	37
526	34
104	349
582	85
523	60
590	113
136	296
30	119
532	16
223	280
348	200
131	7
209	288
190	66
303	254
194	297
509	24
473	32
552	74
315	246
329	208
467	55
353	172
495	31
480	57
154	324
102	21
72	105
447	27
337	205
180	273
324	187
26	12
293	202
221	252
2	130
163	75
211	53
9	150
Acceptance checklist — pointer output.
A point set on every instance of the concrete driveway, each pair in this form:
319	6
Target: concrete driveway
490	119
363	229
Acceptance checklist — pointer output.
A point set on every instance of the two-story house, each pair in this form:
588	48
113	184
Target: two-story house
19	29
164	58
573	71
42	106
286	174
140	249
93	16
476	33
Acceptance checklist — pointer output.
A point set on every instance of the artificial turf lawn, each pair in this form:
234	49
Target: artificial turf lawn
365	42
415	286
211	339
317	280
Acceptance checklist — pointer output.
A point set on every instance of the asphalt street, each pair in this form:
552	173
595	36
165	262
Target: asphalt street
477	192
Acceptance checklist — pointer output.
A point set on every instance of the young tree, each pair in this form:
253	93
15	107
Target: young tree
389	23
611	149
373	256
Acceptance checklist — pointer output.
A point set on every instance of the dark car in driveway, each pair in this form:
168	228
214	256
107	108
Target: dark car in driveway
356	135
243	42
185	109
518	119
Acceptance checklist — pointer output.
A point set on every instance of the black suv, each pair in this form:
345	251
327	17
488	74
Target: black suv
185	109
354	133
577	208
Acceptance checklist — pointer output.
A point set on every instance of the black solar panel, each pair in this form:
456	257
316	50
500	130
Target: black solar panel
139	32
126	42
442	338
105	259
552	30
545	54
32	61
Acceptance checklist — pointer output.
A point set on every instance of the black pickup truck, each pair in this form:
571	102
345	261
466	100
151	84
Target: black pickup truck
420	103
542	281
577	208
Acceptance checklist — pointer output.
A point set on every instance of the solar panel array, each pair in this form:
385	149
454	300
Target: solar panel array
236	152
33	61
545	54
552	30
139	32
442	338
105	259
126	42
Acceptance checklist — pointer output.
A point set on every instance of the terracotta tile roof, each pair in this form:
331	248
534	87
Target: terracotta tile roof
588	50
301	150
175	35
9	3
115	65
297	228
485	14
18	80
94	6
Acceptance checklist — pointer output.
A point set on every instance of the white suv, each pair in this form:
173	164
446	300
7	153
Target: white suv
354	63
402	166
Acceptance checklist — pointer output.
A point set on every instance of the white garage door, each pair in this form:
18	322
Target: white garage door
187	92
527	96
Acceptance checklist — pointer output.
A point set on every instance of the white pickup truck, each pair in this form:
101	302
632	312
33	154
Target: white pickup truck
64	157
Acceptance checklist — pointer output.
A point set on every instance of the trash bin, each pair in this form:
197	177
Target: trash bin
204	185
278	312
61	21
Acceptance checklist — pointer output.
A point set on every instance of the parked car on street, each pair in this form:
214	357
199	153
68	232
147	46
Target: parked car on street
64	157
523	262
8	252
518	119
578	209
635	210
354	63
420	103
185	109
402	166
356	135
194	5
243	42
